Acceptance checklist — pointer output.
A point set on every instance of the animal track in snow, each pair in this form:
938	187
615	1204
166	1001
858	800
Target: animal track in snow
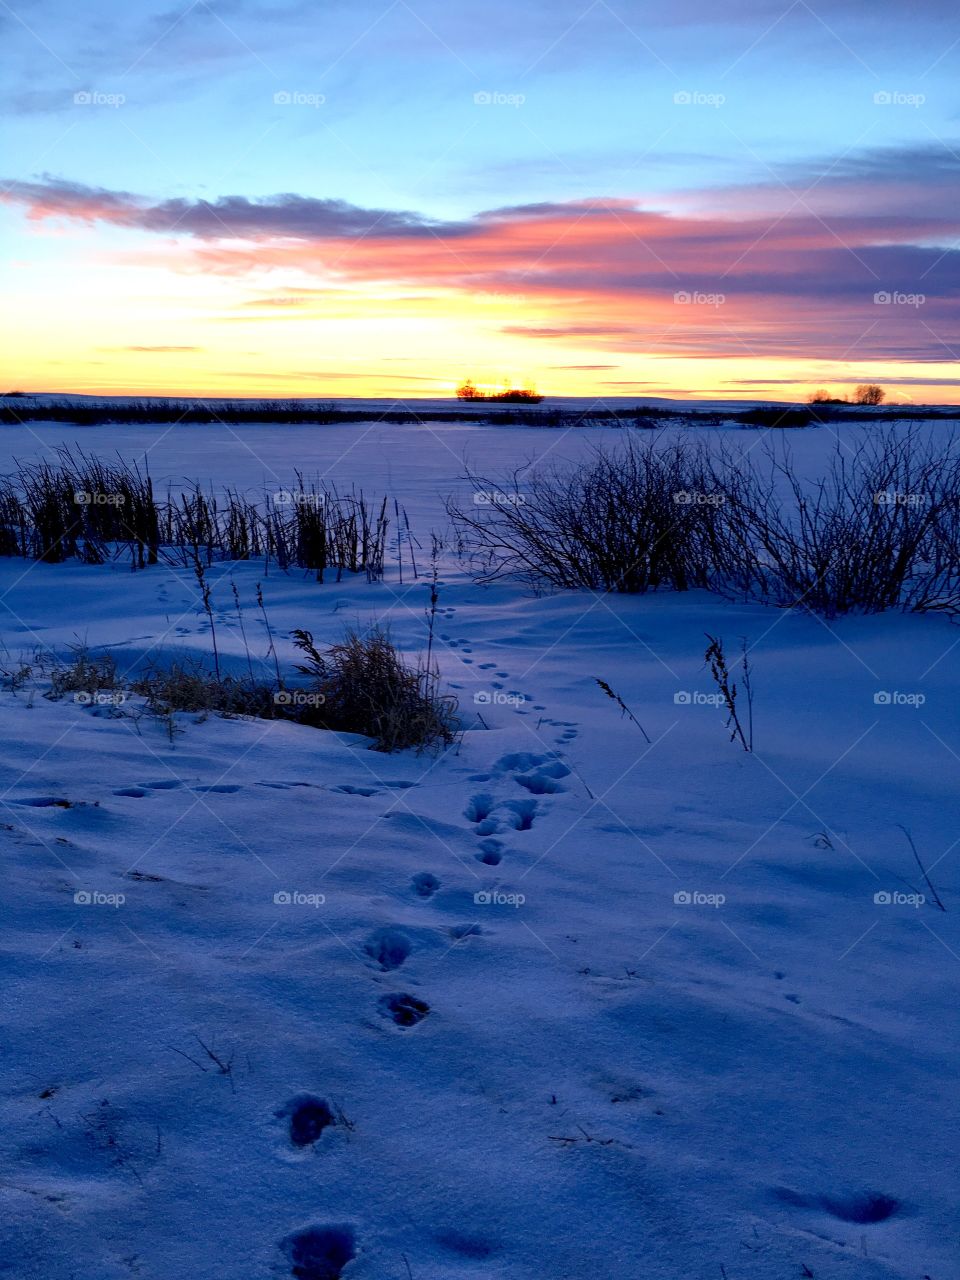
403	1009
348	789
136	793
320	1253
538	784
521	813
388	947
479	807
45	802
308	1116
861	1207
166	784
424	884
491	852
219	788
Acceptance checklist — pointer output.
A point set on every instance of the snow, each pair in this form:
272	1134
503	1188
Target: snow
609	1081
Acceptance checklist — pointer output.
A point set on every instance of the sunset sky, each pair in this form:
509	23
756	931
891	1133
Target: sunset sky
369	198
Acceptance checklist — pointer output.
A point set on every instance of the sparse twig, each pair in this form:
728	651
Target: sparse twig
923	870
622	705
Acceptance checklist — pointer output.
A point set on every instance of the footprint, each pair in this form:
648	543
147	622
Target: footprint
486	666
405	1010
864	1208
349	790
45	802
388	947
490	852
320	1253
168	784
479	807
137	793
219	788
522	813
460	931
424	884
538	784
308	1117
401	786
861	1207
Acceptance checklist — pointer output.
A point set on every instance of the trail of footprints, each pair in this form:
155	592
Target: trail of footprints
524	703
537	774
321	1251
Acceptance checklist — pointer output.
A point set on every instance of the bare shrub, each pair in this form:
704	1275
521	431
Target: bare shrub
87	509
362	685
632	519
878	531
187	685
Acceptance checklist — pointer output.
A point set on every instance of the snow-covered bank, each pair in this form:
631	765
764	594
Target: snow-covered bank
579	1006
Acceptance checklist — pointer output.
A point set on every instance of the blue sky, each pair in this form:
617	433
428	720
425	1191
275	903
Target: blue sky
449	110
